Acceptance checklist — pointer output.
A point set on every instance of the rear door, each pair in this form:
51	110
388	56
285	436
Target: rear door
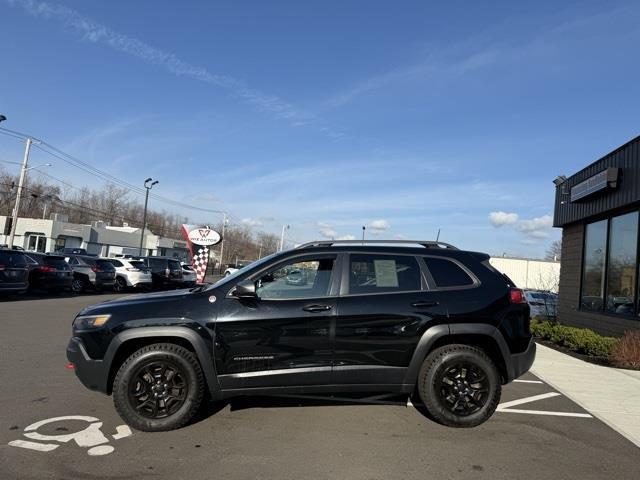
384	308
283	337
14	272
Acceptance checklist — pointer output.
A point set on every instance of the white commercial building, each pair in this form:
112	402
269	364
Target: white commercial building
44	235
526	273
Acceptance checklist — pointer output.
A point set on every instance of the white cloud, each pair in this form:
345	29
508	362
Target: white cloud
380	225
498	219
537	228
347	237
327	231
94	32
251	222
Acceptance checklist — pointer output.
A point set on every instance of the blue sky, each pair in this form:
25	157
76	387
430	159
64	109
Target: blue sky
405	117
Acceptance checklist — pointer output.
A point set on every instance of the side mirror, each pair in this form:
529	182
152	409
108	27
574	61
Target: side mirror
246	289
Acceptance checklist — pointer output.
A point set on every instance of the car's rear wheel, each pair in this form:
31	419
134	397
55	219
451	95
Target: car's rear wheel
159	387
459	385
78	285
120	285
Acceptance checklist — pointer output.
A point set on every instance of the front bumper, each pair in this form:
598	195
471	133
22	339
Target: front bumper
92	373
518	364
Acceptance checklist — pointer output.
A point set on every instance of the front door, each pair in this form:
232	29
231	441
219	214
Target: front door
282	337
384	309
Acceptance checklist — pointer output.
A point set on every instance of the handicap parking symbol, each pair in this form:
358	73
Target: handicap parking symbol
90	437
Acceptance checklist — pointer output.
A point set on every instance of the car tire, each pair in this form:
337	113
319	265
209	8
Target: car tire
78	285
120	285
459	386
143	399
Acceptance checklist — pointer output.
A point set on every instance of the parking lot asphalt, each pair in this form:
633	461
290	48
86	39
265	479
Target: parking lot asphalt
537	433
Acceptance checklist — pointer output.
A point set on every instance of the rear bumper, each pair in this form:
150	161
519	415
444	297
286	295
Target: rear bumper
92	373
518	364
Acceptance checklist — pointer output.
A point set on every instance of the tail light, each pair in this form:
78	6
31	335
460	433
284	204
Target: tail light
2	267
167	273
516	296
47	269
96	269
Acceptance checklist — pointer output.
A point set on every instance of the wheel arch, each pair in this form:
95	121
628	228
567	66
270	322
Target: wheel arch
487	337
125	343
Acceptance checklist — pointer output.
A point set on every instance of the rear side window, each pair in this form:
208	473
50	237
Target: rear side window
137	264
105	264
370	273
11	259
116	263
174	265
447	273
55	261
157	263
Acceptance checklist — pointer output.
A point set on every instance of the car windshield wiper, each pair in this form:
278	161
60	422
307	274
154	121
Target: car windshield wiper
199	288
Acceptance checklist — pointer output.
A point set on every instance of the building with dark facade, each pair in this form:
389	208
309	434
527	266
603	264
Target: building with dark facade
598	209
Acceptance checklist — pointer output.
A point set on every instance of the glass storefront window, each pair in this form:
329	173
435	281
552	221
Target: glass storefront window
595	246
622	262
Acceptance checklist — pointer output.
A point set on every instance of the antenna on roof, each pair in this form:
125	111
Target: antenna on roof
438	236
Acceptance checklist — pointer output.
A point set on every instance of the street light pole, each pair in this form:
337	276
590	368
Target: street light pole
16	208
284	227
224	224
148	184
363	229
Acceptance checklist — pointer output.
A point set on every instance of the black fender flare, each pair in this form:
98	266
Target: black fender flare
436	332
203	353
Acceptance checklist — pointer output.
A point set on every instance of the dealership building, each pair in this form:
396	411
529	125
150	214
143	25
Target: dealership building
598	209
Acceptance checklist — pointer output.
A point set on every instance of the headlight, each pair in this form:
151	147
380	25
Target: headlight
86	322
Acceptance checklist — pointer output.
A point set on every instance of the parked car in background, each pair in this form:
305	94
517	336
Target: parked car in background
14	272
91	273
541	303
189	276
72	251
130	273
15	247
234	267
166	273
48	272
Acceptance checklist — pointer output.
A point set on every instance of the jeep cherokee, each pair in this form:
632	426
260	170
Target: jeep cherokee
376	316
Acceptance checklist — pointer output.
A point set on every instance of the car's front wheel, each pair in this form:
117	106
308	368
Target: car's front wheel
120	285
459	385
78	285
159	387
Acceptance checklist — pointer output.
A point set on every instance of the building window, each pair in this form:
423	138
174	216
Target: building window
610	265
621	266
595	247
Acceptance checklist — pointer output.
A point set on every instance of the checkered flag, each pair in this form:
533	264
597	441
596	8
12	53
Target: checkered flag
199	262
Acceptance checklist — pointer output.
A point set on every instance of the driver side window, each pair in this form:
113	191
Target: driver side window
299	279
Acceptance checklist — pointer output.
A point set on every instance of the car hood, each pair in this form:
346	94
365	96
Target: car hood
141	302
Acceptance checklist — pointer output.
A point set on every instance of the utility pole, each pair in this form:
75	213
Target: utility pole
16	208
284	227
148	184
363	229
224	224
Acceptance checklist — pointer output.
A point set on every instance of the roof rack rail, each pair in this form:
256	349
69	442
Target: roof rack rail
424	243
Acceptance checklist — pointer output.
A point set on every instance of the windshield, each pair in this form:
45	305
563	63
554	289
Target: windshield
235	274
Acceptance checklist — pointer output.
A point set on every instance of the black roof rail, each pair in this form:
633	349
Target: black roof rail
424	243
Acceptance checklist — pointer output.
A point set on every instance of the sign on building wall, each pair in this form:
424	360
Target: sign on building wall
199	240
595	183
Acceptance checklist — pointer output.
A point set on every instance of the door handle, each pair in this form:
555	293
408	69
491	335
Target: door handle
425	304
316	308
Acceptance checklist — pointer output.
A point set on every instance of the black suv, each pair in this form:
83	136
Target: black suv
91	272
166	272
14	271
376	317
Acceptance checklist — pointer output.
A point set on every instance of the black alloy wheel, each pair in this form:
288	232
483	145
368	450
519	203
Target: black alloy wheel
77	285
463	388
158	389
459	385
120	285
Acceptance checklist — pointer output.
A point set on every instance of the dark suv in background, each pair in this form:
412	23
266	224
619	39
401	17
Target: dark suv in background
369	317
91	273
14	271
48	272
166	273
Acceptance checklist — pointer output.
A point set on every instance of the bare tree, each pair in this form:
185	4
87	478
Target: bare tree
555	251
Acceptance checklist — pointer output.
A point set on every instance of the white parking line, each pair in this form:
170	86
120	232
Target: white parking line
520	401
528	381
506	407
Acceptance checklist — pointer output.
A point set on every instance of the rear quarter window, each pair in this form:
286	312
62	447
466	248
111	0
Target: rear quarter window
447	273
12	259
